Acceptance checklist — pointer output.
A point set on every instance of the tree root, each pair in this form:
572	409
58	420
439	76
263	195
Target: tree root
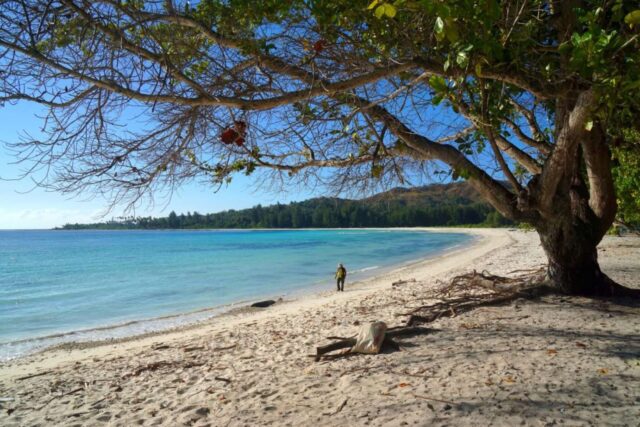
462	294
473	290
619	291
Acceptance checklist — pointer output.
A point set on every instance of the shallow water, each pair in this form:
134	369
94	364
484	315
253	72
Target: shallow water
59	286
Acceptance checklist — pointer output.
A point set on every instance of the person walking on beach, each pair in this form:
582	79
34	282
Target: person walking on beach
341	274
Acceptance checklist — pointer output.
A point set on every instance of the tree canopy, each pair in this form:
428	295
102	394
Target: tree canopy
337	93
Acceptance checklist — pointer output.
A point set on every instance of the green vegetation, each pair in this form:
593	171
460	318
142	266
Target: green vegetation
434	205
626	175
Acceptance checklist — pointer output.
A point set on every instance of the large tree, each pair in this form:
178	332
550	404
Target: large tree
522	98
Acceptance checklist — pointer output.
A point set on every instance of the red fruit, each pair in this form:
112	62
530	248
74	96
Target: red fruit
319	45
229	136
239	141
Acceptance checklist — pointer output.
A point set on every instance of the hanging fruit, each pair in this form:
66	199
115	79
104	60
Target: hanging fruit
236	134
229	136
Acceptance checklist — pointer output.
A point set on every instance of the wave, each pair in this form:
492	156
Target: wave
22	347
362	270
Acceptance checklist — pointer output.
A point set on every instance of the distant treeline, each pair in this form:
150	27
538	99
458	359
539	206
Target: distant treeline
397	208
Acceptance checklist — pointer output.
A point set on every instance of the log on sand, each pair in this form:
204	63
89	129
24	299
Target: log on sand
387	344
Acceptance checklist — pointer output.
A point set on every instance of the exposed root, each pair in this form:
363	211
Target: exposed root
619	291
469	291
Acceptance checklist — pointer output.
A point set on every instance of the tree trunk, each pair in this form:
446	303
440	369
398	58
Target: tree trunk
573	259
571	248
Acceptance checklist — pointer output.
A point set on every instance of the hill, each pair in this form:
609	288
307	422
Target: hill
431	205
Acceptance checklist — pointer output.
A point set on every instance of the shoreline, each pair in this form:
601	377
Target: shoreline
551	360
177	321
241	309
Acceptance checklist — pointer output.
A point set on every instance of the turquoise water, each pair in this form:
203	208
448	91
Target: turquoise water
59	286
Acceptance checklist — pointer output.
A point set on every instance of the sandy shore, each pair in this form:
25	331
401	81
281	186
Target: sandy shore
556	360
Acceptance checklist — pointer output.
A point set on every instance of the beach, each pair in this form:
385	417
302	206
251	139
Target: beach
551	361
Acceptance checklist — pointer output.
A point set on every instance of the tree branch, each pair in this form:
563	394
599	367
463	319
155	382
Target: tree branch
602	195
563	156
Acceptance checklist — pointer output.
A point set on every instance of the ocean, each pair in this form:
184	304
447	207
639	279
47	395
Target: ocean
64	286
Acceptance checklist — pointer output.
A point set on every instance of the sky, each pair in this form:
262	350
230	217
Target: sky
25	206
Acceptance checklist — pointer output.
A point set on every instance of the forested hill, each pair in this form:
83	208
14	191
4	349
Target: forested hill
432	205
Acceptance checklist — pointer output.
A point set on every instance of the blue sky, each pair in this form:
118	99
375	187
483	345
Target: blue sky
24	207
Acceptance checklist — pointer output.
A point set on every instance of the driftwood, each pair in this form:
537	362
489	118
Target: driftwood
433	399
154	366
33	375
402	282
263	304
229	347
387	344
160	346
195	348
78	414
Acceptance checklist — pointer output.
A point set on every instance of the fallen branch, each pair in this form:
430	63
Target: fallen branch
160	346
77	414
33	375
161	364
150	367
342	405
189	349
224	348
98	401
224	380
433	399
402	282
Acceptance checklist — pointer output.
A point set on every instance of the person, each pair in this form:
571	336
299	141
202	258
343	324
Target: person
341	274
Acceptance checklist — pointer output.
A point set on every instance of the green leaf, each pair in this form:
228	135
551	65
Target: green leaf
451	31
462	59
380	10
439	28
589	125
438	83
390	10
632	18
373	4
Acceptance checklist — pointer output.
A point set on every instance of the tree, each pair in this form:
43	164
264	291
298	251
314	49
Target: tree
173	220
374	92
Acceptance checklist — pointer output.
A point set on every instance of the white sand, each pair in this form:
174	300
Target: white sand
571	361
